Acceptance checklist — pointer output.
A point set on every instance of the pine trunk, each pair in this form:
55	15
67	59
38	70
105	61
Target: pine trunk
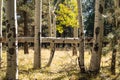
81	38
37	40
12	39
25	30
113	62
114	41
98	36
1	6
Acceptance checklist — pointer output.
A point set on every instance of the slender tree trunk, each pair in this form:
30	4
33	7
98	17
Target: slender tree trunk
81	38
54	25
98	36
113	62
37	40
114	41
12	39
75	34
52	45
25	29
1	6
49	19
52	32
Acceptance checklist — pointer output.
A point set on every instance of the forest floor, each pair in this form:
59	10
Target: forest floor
63	67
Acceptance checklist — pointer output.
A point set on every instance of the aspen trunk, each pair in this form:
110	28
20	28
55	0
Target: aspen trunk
52	32
98	36
52	45
12	39
37	40
1	6
75	34
81	38
49	19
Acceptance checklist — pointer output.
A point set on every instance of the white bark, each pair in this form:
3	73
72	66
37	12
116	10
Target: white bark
1	6
98	36
12	62
49	19
38	27
75	34
81	37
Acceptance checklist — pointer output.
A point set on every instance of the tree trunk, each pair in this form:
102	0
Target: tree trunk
75	34
49	19
74	51
81	38
25	30
113	62
98	36
12	39
114	41
54	25
1	6
37	40
52	45
52	32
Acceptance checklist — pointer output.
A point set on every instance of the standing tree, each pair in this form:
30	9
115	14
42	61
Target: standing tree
116	35
12	39
98	36
25	15
1	5
81	38
52	29
38	27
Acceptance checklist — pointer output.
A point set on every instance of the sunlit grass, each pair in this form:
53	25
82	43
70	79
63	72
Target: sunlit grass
63	67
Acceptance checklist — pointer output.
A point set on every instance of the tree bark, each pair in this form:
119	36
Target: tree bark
114	41
49	19
81	38
75	34
25	30
37	40
12	39
98	38
113	62
52	45
1	6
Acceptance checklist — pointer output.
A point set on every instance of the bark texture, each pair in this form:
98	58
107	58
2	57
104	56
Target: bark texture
52	45
81	38
37	40
75	34
98	37
12	39
25	29
115	39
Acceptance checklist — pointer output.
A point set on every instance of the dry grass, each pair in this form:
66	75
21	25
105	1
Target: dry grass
63	67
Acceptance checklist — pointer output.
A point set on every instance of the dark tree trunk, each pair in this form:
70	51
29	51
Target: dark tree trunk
113	62
25	30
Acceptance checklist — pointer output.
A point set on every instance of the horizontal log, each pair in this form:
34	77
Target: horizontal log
50	39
